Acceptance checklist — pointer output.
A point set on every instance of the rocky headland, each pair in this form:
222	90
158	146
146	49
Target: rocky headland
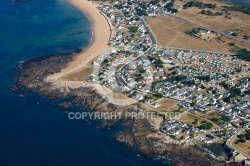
140	134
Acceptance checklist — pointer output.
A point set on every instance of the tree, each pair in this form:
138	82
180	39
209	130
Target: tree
240	8
158	95
142	70
105	60
169	5
236	91
154	2
227	99
247	135
215	120
206	78
225	118
231	44
206	126
214	91
193	31
203	12
225	85
241	136
199	4
243	54
245	37
195	121
242	140
193	104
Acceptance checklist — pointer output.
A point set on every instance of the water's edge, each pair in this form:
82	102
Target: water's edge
139	134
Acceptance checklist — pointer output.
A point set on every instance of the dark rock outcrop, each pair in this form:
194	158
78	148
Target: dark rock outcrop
135	133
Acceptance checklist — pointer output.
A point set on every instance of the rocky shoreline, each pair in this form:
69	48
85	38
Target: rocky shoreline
138	134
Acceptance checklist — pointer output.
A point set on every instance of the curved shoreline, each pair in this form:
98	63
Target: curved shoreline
99	42
140	133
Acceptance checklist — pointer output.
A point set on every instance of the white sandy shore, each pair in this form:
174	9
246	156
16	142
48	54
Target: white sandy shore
99	45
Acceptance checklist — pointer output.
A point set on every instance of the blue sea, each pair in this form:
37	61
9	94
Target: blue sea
33	130
241	2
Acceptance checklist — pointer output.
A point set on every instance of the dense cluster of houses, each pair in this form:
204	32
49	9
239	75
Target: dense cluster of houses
222	76
219	67
153	9
199	81
128	32
141	77
177	128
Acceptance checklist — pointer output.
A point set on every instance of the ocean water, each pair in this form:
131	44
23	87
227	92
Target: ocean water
241	2
33	130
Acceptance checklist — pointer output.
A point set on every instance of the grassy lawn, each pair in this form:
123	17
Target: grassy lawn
190	119
213	116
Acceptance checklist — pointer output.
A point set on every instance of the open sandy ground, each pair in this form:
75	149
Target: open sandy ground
220	23
171	33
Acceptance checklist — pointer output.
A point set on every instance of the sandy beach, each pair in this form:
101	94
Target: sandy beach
99	45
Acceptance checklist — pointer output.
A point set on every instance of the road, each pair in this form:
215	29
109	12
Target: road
231	139
152	37
199	51
124	83
120	79
153	43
